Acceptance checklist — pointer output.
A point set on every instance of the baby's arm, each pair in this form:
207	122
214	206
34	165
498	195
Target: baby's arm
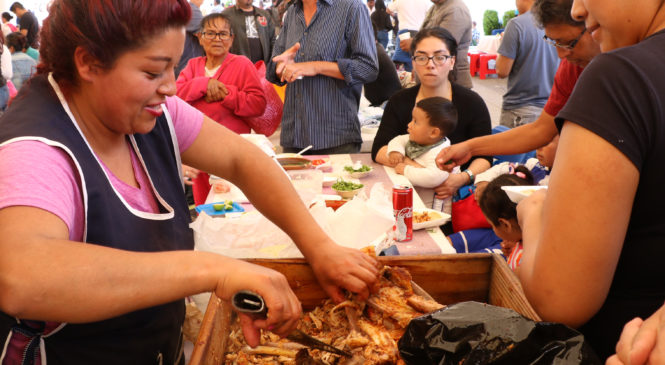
409	162
397	149
426	177
395	158
493	172
399	167
427	174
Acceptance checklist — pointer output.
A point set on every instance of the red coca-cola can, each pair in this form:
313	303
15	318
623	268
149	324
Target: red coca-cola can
403	210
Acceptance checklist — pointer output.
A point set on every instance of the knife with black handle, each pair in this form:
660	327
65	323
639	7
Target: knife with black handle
251	303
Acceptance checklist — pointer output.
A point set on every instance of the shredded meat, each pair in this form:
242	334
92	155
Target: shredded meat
368	330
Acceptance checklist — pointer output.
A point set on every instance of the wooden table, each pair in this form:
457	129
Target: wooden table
425	242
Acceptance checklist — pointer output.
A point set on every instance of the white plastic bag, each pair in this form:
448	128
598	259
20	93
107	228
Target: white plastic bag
359	222
356	224
251	235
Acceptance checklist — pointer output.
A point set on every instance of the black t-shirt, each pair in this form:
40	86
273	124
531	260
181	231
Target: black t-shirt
620	97
387	83
473	118
255	48
381	20
29	21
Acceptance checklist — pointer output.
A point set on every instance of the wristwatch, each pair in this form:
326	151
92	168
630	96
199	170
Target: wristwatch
472	177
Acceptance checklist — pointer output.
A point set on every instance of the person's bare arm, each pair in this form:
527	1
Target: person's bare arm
642	341
456	181
336	266
77	282
503	66
522	139
382	157
575	231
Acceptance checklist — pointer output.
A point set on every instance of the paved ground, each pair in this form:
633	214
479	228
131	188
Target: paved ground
491	90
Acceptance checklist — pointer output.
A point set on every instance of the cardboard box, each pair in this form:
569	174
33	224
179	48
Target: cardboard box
447	278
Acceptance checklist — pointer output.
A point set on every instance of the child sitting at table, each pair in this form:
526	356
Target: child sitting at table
501	212
484	239
414	154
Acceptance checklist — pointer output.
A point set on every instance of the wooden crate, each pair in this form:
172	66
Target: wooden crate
447	278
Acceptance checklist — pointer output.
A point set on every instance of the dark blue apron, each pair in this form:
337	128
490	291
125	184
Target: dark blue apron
148	336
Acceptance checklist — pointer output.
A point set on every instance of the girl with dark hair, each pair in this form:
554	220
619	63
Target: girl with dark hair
381	21
23	66
434	52
480	240
222	85
96	253
501	212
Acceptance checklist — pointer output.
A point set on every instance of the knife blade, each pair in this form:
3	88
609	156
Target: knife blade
251	303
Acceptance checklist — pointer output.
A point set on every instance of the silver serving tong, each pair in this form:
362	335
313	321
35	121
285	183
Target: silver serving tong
251	303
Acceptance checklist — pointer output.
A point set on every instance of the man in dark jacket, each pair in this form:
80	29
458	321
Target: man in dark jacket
254	31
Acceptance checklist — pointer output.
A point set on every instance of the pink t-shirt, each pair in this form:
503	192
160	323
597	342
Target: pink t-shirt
35	174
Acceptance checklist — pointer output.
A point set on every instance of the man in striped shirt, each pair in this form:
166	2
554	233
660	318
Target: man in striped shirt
325	53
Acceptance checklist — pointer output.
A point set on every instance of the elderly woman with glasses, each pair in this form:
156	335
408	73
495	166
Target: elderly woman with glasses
433	52
224	86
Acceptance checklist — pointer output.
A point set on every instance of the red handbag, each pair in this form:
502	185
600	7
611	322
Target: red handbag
466	213
268	122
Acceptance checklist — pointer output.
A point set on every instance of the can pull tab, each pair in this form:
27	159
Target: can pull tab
246	301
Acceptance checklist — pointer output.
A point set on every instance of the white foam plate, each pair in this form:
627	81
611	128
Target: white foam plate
438	218
517	193
329	180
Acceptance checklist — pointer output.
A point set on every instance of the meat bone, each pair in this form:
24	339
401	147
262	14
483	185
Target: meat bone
251	303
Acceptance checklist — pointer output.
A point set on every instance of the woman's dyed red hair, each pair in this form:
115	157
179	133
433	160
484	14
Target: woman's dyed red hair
104	28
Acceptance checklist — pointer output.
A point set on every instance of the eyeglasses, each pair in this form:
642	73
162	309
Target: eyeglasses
225	36
438	60
567	46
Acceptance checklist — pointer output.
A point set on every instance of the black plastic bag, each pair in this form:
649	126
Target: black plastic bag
478	333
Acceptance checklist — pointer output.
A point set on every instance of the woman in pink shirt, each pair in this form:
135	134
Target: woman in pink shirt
224	86
96	254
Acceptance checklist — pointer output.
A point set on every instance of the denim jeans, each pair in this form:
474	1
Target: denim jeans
382	37
512	118
23	66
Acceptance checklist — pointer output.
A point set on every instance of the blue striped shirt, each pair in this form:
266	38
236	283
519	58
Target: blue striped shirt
320	110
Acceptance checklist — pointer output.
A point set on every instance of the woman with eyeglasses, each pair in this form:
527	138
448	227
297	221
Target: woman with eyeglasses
96	253
224	86
595	242
433	51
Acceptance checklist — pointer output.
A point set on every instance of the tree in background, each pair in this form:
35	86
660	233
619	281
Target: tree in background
507	16
490	21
